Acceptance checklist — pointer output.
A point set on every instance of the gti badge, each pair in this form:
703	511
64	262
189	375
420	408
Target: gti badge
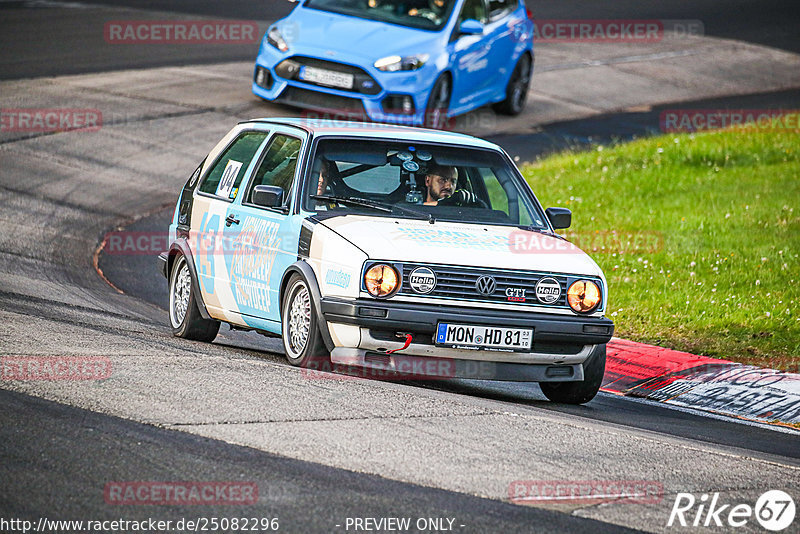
515	294
548	290
422	280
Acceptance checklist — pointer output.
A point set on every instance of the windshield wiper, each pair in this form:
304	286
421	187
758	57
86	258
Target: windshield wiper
353	201
380	206
421	214
538	229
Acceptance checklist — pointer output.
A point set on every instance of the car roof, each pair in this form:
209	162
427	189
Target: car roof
337	128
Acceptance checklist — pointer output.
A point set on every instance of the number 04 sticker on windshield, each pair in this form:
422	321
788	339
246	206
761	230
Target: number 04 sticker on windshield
484	337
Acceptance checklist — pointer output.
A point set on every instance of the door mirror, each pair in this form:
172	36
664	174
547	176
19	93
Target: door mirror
560	218
268	196
471	27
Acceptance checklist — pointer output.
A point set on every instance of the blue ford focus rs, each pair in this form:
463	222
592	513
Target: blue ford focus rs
399	61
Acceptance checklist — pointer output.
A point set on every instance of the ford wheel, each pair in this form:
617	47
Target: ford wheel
438	103
517	88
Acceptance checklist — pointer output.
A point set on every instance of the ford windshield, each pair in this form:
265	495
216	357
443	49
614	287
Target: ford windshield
422	14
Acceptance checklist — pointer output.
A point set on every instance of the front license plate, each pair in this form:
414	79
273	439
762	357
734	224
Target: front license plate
326	77
483	337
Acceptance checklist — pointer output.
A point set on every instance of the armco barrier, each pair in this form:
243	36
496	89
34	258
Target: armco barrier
683	379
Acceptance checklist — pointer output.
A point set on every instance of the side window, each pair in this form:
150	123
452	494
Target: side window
226	176
500	8
278	165
498	197
504	196
473	9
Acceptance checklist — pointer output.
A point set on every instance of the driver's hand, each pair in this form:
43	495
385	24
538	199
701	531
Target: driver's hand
460	197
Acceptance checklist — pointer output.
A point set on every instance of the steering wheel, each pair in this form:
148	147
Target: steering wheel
463	198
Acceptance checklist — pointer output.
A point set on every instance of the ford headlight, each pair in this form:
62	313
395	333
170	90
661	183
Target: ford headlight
275	38
396	63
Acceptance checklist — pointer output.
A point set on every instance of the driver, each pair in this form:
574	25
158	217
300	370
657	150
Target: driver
440	182
434	11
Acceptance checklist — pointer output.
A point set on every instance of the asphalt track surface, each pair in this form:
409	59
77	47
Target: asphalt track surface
55	458
62	451
39	38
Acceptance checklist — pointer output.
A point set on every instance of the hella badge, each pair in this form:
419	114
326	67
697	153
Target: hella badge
422	280
548	290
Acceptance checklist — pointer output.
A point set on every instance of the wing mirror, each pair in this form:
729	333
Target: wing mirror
268	196
471	27
560	218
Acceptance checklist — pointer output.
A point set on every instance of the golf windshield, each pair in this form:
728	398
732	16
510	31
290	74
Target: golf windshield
422	14
418	180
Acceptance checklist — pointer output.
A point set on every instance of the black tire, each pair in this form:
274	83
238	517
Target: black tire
302	340
517	88
184	315
438	103
579	392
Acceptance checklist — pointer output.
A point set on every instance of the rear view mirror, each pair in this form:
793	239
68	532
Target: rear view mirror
471	27
560	218
268	196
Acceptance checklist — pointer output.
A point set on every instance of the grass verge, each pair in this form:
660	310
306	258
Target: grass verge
698	235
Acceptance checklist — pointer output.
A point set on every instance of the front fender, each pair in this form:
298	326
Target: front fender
304	269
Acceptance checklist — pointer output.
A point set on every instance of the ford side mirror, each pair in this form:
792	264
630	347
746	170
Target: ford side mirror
268	196
471	27
560	218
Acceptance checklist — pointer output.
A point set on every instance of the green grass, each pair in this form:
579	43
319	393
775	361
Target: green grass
706	257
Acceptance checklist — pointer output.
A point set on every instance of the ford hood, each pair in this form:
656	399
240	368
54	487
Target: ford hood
340	37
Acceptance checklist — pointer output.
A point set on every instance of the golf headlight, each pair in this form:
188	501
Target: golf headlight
583	296
275	38
381	280
396	63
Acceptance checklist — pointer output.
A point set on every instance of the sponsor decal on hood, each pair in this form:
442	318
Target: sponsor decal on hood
449	243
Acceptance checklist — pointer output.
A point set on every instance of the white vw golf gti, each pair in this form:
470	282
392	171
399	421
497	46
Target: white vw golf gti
406	250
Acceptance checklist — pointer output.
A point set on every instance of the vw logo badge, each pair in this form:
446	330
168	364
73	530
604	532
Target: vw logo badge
485	285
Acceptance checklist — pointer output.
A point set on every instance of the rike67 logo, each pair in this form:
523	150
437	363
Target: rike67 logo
774	511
